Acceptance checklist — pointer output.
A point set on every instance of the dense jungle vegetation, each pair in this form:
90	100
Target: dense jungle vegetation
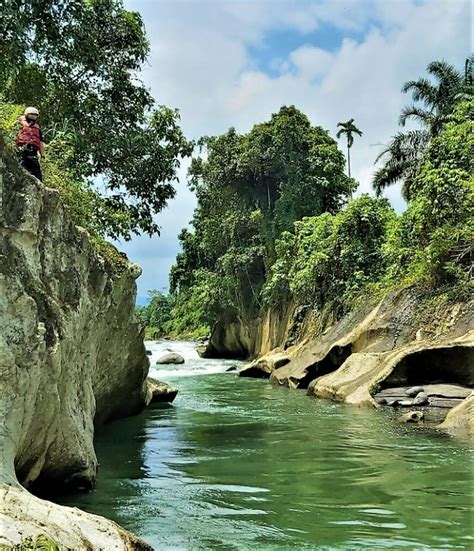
110	150
275	221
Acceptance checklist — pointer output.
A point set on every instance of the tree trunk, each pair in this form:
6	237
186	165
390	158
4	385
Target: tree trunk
349	167
349	161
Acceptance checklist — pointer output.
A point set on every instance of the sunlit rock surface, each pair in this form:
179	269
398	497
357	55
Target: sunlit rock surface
404	340
71	352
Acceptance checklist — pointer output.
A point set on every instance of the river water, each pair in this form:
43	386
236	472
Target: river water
236	464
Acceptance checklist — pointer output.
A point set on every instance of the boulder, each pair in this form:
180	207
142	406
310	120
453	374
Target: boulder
412	417
421	399
171	358
263	367
413	391
460	420
404	403
160	392
26	518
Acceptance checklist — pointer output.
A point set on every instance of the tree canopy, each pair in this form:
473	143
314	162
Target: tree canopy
273	225
251	188
78	62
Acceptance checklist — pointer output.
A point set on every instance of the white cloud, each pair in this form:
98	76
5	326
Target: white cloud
201	62
311	62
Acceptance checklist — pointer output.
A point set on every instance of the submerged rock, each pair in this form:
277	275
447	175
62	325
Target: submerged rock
160	392
412	417
171	358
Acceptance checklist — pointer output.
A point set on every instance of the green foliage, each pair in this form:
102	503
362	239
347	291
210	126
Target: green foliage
439	222
40	543
180	315
331	259
271	226
85	205
156	314
77	61
115	260
251	188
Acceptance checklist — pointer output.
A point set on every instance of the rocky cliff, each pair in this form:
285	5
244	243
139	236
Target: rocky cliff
405	339
71	358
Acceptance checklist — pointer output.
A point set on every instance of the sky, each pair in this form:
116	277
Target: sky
226	63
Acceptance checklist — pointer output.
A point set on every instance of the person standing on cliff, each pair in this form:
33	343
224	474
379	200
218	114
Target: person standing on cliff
29	142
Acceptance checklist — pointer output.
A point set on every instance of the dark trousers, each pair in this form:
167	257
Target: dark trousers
29	161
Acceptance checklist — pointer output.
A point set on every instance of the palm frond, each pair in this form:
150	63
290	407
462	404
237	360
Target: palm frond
422	90
402	158
412	111
445	72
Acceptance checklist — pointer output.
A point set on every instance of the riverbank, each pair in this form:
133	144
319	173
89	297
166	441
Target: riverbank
405	339
235	463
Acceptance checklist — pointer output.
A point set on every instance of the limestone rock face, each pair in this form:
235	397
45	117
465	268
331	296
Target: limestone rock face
460	420
23	515
402	341
263	367
71	352
160	392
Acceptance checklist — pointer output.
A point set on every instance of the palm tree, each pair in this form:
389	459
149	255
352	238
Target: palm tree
437	99
348	128
433	106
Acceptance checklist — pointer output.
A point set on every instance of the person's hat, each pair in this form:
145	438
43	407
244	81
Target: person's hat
31	111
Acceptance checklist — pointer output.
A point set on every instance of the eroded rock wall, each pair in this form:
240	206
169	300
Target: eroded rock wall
405	339
71	352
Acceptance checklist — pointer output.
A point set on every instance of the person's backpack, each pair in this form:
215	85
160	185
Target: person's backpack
29	135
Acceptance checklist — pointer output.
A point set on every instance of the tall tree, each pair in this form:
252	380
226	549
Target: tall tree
434	101
78	62
250	189
348	129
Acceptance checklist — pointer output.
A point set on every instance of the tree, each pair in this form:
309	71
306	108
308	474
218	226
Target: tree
250	189
348	129
433	106
77	61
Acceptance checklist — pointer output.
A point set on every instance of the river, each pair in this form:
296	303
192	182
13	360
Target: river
236	464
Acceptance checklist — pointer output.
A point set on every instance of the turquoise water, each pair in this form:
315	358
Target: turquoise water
238	464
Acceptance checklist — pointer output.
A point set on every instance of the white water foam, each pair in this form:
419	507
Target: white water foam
194	365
